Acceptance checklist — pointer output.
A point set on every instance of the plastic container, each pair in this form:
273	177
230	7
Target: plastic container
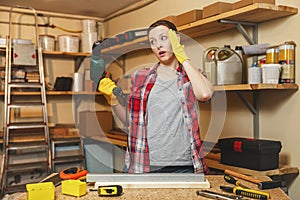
68	43
287	51
272	55
229	66
87	41
210	66
88	25
254	74
271	73
47	42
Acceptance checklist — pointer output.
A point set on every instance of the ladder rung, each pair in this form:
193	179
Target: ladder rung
23	65
66	141
26	104
25	85
15	188
78	158
23	167
26	125
28	148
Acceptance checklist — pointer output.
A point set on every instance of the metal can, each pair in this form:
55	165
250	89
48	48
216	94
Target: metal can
272	55
287	51
287	74
287	62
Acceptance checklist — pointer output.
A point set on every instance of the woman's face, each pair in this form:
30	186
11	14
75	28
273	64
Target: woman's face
160	44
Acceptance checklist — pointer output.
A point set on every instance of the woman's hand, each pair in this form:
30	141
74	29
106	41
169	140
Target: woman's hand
177	48
106	87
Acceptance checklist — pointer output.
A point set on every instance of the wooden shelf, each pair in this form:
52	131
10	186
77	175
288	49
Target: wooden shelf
59	53
70	54
251	87
255	13
237	87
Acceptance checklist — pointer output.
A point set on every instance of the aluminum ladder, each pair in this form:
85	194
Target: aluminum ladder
26	143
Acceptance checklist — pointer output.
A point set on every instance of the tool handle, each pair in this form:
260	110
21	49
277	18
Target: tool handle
242	176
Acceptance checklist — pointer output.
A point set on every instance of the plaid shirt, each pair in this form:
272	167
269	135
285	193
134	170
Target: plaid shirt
137	155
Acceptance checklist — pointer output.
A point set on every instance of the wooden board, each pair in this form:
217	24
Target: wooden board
215	164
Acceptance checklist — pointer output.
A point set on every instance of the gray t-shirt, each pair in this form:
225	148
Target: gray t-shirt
168	139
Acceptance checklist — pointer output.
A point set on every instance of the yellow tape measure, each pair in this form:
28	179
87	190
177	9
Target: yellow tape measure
110	190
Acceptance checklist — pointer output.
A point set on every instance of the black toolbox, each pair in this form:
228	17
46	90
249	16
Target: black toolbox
256	154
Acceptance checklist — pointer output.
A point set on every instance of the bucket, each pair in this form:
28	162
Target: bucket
47	42
87	41
68	43
270	73
88	25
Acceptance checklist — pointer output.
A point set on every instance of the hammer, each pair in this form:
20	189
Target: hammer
262	185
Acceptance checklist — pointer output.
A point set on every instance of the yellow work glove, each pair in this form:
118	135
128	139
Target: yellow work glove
106	87
178	49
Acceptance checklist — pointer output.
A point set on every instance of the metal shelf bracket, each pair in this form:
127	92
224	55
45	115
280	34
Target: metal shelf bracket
254	109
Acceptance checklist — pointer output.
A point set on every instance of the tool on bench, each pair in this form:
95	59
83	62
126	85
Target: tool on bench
109	190
217	195
255	194
232	180
262	185
73	173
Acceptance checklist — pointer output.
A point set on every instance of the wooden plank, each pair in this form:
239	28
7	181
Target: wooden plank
215	164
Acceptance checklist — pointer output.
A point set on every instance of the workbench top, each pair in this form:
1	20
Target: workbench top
161	194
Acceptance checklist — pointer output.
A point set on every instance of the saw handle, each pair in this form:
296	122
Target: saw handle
242	176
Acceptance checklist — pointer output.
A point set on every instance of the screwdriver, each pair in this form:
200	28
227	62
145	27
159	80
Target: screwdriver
232	180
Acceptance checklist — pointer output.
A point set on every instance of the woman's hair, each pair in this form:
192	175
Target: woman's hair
161	22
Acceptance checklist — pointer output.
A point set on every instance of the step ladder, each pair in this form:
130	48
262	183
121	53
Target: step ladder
26	143
66	153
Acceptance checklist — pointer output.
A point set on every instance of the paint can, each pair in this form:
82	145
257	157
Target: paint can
272	55
87	41
88	25
47	42
270	73
287	51
287	62
68	43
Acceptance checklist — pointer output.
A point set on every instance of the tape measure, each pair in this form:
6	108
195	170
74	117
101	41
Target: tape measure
110	190
72	173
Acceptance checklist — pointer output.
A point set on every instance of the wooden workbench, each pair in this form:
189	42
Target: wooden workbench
161	194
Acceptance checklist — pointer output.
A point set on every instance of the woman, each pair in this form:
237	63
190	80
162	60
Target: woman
163	108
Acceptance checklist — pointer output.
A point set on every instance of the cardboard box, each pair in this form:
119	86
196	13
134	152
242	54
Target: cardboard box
244	3
255	154
95	123
215	9
189	17
171	18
